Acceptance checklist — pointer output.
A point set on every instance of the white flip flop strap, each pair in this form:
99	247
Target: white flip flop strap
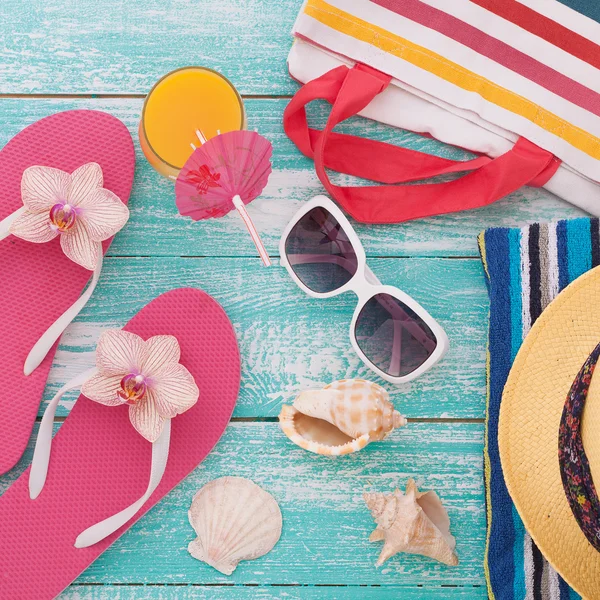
160	454
49	337
7	222
41	459
43	444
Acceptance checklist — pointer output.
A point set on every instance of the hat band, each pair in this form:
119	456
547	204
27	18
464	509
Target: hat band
574	465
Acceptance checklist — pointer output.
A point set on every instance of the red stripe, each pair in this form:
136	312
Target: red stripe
496	50
545	28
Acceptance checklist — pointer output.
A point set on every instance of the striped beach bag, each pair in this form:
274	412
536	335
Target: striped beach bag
517	82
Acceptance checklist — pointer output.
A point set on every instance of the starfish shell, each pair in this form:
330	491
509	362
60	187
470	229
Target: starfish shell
414	523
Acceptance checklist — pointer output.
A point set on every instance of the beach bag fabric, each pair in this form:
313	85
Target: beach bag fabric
517	83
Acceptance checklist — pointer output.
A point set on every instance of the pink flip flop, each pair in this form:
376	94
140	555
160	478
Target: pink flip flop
63	180
102	474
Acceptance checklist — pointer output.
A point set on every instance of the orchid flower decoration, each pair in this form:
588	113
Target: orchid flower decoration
73	206
146	375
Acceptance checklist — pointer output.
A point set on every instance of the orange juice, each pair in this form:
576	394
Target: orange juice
182	108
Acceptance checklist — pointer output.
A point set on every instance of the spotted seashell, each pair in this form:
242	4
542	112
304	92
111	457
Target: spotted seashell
341	418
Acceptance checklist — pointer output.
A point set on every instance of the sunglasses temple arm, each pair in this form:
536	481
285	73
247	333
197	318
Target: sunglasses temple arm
302	259
400	315
396	359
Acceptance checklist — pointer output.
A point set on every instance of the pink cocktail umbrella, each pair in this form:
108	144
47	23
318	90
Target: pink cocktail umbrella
226	172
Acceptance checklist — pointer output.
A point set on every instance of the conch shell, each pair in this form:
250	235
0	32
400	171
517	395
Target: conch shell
343	417
235	520
415	523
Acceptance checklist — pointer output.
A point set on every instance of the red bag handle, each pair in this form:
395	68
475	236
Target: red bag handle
350	90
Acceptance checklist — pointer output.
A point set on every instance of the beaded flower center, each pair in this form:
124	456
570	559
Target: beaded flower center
133	388
62	217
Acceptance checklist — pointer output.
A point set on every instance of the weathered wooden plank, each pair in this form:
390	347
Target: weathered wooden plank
156	228
326	523
290	341
82	46
275	592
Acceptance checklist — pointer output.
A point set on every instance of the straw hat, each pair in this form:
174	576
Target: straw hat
549	360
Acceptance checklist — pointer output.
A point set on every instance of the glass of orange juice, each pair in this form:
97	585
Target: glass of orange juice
183	109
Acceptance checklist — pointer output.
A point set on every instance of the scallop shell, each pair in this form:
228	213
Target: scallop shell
341	418
415	523
235	520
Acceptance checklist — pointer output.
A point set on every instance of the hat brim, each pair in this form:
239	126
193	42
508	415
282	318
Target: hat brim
532	403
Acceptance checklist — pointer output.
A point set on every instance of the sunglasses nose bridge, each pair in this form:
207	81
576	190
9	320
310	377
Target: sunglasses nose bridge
363	288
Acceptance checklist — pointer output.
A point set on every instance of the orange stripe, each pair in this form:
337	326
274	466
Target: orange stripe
436	64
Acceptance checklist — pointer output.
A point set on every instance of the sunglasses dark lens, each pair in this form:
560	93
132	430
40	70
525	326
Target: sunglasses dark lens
393	336
320	253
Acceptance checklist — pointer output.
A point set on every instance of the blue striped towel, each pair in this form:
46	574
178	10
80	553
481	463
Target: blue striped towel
525	269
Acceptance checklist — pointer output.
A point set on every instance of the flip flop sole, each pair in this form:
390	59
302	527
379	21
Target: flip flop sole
37	281
100	464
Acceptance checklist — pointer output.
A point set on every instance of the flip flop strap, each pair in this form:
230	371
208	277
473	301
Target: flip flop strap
160	454
41	458
43	444
7	222
41	348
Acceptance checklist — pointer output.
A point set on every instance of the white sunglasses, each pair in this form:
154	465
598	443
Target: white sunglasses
391	333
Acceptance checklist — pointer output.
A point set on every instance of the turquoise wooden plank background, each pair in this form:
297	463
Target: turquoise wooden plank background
62	54
326	525
289	341
156	229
